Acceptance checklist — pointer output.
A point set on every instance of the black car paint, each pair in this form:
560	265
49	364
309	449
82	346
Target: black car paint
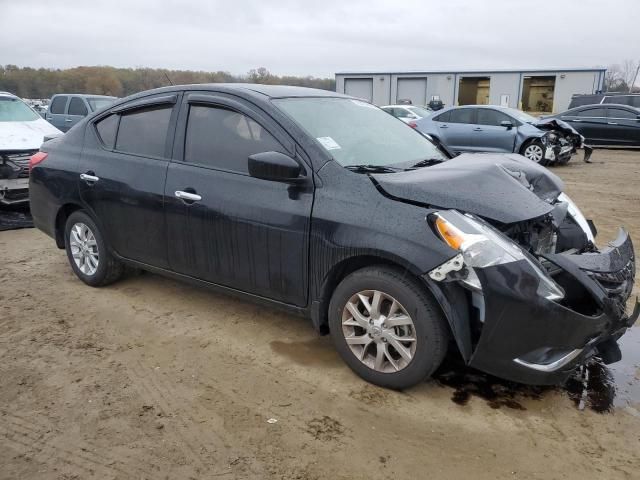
285	245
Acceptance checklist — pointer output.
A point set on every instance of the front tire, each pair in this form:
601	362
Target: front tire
534	151
387	327
87	252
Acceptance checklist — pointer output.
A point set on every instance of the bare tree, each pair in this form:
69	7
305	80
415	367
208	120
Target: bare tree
621	77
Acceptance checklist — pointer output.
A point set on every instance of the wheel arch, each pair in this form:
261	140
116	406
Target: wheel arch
61	219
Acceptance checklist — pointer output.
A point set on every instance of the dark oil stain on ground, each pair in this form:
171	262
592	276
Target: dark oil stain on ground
595	386
15	217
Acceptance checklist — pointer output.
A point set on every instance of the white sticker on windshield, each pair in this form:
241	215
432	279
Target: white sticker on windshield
328	143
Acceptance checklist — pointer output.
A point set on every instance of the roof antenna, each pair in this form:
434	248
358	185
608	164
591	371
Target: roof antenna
168	79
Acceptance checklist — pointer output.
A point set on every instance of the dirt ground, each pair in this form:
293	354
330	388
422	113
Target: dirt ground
150	378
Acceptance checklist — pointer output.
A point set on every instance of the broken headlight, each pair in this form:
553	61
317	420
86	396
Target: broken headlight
575	213
480	246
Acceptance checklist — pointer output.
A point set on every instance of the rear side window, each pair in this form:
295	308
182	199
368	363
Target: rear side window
224	139
77	107
486	116
144	132
620	113
58	104
107	128
619	99
443	117
592	112
462	115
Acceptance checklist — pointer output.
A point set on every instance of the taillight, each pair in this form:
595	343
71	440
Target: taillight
413	124
36	159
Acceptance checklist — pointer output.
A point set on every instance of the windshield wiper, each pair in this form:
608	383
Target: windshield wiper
371	169
425	163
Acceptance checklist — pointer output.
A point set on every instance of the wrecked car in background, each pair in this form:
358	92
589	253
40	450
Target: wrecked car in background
22	131
489	128
327	206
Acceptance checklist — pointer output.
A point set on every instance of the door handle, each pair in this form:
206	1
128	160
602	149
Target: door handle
68	120
575	120
444	126
187	196
89	178
612	123
478	129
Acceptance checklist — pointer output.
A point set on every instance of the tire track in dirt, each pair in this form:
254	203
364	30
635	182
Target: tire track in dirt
44	440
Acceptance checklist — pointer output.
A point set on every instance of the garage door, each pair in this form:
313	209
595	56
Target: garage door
359	87
414	89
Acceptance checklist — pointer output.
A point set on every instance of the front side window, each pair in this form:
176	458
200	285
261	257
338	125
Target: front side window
144	132
357	133
13	109
57	106
77	107
487	116
224	139
592	112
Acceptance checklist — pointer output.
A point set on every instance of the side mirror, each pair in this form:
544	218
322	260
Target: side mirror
507	124
274	166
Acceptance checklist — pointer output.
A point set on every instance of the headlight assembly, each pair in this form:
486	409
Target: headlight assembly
480	246
577	216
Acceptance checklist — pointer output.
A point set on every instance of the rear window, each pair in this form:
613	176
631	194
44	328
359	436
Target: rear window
13	109
58	104
144	132
619	99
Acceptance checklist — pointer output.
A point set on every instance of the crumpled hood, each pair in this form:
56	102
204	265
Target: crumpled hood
551	123
506	188
25	135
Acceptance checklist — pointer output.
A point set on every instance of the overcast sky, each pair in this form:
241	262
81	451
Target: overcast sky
318	37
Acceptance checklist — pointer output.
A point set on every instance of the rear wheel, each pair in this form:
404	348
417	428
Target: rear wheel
534	151
87	253
387	328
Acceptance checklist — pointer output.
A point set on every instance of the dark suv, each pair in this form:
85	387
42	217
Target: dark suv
327	206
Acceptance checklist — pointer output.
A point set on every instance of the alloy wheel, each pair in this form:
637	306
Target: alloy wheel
84	248
379	331
534	152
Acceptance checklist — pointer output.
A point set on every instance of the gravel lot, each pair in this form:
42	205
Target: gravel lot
150	378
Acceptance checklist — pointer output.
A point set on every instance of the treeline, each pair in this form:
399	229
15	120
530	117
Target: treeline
43	82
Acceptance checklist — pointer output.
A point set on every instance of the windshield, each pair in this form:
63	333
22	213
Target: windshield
15	110
421	112
523	117
358	133
98	103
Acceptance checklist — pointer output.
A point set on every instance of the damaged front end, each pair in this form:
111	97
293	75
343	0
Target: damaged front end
14	177
539	297
561	141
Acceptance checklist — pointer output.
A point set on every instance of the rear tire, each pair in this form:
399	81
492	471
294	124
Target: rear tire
397	336
534	151
87	251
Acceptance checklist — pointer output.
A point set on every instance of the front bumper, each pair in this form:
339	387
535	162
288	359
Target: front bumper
529	339
14	191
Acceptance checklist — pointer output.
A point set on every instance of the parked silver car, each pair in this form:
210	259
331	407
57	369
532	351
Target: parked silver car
65	110
489	128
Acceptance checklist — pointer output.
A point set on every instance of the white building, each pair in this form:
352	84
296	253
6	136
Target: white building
529	90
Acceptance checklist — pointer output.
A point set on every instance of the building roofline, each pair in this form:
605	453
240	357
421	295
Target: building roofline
454	71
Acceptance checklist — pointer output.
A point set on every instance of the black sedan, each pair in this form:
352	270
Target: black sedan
605	124
328	207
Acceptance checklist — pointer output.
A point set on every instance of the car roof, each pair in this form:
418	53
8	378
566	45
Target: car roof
397	106
606	105
83	95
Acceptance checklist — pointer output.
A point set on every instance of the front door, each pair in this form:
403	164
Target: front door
122	175
224	226
489	135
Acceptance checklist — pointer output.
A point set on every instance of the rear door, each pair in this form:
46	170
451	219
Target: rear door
488	133
76	111
235	230
57	112
123	172
455	129
623	125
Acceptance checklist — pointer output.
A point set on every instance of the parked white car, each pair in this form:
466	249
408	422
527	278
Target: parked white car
407	113
22	131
